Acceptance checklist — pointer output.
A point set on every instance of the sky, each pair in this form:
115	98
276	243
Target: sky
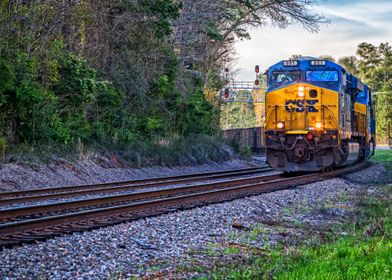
351	23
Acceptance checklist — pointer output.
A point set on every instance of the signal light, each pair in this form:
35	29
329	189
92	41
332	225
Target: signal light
257	82
257	69
226	94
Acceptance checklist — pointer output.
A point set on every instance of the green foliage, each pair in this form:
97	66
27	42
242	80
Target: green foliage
237	114
3	147
363	253
366	254
197	115
327	57
105	72
350	63
59	112
184	150
78	83
345	259
97	74
213	32
245	151
375	66
7	78
383	156
163	13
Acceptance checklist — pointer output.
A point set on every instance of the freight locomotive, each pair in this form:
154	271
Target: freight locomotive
318	115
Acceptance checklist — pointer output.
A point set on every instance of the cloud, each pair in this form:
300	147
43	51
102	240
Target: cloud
352	22
353	28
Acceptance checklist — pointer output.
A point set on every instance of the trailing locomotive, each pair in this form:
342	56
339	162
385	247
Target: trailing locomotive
318	115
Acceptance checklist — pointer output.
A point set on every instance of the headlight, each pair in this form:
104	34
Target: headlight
280	125
301	91
319	125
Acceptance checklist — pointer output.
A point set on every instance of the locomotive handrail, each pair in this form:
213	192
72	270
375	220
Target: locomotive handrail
332	114
269	114
306	119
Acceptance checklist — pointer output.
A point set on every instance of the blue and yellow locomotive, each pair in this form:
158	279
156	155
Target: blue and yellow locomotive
318	116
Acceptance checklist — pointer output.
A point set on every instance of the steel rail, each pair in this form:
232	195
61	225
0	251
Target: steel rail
122	188
42	228
16	213
136	183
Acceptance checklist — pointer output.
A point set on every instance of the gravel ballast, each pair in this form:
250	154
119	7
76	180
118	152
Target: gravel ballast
160	246
91	170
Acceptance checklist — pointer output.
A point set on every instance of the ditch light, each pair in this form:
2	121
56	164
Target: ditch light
280	125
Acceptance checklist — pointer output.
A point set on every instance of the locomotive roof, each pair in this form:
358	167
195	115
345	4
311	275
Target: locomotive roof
305	63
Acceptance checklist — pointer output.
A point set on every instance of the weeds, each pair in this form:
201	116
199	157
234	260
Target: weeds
3	147
359	249
197	149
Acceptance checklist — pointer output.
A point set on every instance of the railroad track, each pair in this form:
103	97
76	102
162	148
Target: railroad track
42	210
26	224
7	198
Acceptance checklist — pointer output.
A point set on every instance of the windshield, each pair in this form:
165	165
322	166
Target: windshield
280	78
322	76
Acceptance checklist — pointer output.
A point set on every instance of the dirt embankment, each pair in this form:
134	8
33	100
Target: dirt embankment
93	169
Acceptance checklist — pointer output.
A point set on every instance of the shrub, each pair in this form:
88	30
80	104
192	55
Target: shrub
3	147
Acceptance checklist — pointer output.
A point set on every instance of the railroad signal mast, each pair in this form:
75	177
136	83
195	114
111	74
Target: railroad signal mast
244	92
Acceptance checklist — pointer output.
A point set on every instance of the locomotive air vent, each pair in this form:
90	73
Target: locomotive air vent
313	93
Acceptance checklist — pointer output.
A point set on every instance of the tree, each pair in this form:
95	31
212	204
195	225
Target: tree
206	30
122	70
296	56
375	66
369	59
327	57
350	63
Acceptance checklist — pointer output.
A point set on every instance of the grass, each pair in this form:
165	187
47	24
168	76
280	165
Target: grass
365	254
231	251
382	156
359	249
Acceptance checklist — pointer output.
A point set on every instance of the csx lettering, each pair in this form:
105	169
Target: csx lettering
299	105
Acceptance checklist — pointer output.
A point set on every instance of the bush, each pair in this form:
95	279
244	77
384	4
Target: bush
3	147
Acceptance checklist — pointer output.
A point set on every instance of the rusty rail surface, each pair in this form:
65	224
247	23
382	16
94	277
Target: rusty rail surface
7	198
16	232
35	211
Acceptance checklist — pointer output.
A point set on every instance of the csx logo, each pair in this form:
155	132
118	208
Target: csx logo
299	105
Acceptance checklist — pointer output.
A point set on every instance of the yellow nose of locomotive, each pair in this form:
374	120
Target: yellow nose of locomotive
301	108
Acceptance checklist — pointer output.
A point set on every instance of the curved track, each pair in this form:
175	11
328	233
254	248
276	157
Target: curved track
27	224
7	198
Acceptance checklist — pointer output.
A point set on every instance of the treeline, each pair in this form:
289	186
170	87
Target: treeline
100	71
373	64
123	71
